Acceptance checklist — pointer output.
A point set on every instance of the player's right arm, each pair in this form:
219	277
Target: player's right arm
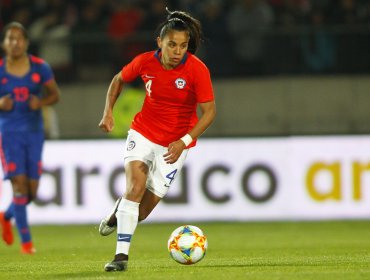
6	103
107	122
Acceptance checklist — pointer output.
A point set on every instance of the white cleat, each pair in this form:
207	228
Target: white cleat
104	229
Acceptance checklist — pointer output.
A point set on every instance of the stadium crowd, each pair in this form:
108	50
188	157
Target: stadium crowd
91	38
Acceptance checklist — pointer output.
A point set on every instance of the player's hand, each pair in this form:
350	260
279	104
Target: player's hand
174	151
6	103
34	103
107	123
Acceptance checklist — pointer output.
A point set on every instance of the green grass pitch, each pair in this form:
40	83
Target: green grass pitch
254	250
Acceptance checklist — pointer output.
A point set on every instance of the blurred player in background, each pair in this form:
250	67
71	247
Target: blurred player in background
22	78
176	83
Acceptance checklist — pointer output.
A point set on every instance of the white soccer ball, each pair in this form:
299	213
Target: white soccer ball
187	244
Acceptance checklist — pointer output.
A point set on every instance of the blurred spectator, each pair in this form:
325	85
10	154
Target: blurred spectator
15	10
51	33
89	40
248	23
123	23
322	5
318	47
217	38
364	11
259	36
153	17
22	15
191	6
290	13
154	14
352	44
345	12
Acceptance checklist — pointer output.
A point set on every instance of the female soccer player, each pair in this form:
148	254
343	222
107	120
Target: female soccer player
176	82
22	77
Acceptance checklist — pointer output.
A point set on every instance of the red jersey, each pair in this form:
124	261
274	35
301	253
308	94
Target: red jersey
170	107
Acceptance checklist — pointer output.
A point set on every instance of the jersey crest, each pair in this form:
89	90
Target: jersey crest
180	83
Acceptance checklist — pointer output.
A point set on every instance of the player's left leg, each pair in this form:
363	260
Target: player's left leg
33	185
24	191
109	223
20	200
147	204
29	184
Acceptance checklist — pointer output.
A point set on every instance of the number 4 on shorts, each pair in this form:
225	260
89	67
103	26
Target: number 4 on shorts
171	175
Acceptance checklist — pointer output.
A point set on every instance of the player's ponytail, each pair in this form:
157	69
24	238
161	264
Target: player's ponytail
182	21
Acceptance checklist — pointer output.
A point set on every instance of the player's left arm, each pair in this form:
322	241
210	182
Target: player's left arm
208	113
51	96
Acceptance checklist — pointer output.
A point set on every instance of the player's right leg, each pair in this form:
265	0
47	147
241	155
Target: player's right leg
109	224
8	151
15	156
128	213
138	148
6	227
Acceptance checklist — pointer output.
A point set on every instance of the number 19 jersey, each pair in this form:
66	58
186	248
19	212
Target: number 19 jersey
21	117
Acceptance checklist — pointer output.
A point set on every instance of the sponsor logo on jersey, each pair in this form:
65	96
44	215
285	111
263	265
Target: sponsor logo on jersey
180	83
131	145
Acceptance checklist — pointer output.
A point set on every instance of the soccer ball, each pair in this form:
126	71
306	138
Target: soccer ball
187	244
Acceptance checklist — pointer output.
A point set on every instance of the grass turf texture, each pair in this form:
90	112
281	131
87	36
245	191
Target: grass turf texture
262	250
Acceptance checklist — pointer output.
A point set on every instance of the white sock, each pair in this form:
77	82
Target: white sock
127	220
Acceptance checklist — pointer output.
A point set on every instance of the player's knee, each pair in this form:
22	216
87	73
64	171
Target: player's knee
20	191
135	193
19	186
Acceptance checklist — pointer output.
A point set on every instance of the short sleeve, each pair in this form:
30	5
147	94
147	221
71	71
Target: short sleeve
46	73
203	84
132	70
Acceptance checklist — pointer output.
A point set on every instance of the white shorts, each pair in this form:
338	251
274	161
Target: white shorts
161	174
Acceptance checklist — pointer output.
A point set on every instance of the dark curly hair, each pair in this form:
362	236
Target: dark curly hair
182	21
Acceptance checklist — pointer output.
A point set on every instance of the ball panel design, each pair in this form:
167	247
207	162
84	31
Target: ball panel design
187	244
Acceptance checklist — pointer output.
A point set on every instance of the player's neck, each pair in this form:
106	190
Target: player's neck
167	66
18	66
17	60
